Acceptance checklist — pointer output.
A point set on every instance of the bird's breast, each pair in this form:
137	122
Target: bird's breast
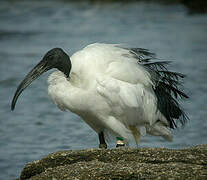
70	94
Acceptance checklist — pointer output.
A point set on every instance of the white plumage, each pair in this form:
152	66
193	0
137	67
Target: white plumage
110	91
113	89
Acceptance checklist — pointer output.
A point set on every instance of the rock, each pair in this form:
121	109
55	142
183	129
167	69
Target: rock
120	163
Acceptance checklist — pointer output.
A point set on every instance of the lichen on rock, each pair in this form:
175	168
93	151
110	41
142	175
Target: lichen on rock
120	163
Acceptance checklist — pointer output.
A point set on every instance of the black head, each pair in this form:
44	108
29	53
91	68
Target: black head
55	58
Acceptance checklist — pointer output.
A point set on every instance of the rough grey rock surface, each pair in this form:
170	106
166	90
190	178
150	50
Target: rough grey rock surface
120	163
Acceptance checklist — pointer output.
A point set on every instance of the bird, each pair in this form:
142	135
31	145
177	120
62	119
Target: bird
118	90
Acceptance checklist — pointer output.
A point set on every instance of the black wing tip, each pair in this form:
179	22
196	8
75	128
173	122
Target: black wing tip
141	54
182	120
167	98
178	121
169	106
143	51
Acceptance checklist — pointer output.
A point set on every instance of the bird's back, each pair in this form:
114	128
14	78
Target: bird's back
110	60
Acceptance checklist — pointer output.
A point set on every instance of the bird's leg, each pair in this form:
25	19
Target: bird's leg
120	142
102	144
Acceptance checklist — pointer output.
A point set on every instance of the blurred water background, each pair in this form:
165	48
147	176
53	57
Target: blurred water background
28	29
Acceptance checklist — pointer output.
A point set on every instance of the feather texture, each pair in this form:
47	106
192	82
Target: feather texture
121	91
166	88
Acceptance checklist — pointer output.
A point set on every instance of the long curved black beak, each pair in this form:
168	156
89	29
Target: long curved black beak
39	69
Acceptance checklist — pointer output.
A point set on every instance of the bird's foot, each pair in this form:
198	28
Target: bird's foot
103	146
120	142
120	145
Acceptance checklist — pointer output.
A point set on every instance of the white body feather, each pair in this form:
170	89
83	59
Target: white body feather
111	92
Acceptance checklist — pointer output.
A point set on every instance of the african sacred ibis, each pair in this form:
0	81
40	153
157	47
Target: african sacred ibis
116	90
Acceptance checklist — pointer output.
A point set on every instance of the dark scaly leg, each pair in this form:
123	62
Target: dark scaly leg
102	144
